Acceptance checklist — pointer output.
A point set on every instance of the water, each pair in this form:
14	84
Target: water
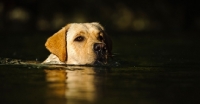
146	69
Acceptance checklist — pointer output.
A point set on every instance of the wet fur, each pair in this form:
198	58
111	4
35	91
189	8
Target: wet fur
65	50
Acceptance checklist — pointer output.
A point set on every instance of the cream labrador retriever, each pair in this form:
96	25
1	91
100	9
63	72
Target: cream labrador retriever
79	44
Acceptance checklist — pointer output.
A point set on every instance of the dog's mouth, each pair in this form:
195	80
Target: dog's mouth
102	58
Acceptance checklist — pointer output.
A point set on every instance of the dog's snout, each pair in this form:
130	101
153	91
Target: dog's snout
101	52
99	47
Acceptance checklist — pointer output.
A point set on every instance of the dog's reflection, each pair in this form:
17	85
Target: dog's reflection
73	84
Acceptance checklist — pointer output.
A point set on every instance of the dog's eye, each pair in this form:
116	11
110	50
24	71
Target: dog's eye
79	38
100	38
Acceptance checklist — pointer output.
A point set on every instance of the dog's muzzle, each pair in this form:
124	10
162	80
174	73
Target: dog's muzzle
101	52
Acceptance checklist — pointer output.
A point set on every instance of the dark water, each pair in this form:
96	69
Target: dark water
146	69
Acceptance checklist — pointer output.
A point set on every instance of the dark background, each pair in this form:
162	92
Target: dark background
26	24
124	15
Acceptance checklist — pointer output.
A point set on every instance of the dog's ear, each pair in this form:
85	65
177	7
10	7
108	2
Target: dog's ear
57	44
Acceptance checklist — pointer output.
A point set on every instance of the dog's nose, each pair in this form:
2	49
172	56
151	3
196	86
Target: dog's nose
101	52
99	47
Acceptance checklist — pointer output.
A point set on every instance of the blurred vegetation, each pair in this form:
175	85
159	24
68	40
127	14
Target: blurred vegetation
115	15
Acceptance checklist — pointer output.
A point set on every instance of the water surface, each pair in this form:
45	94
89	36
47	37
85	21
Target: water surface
145	69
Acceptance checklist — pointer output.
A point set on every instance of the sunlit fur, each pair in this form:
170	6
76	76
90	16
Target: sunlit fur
80	52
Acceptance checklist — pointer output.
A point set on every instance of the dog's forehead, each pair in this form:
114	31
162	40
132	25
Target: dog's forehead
84	27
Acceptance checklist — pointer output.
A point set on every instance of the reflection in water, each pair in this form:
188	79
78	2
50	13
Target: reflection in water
73	85
81	85
56	86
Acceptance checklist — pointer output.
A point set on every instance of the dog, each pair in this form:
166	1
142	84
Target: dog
79	44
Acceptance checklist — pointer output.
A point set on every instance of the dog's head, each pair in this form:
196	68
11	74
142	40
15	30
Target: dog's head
80	43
